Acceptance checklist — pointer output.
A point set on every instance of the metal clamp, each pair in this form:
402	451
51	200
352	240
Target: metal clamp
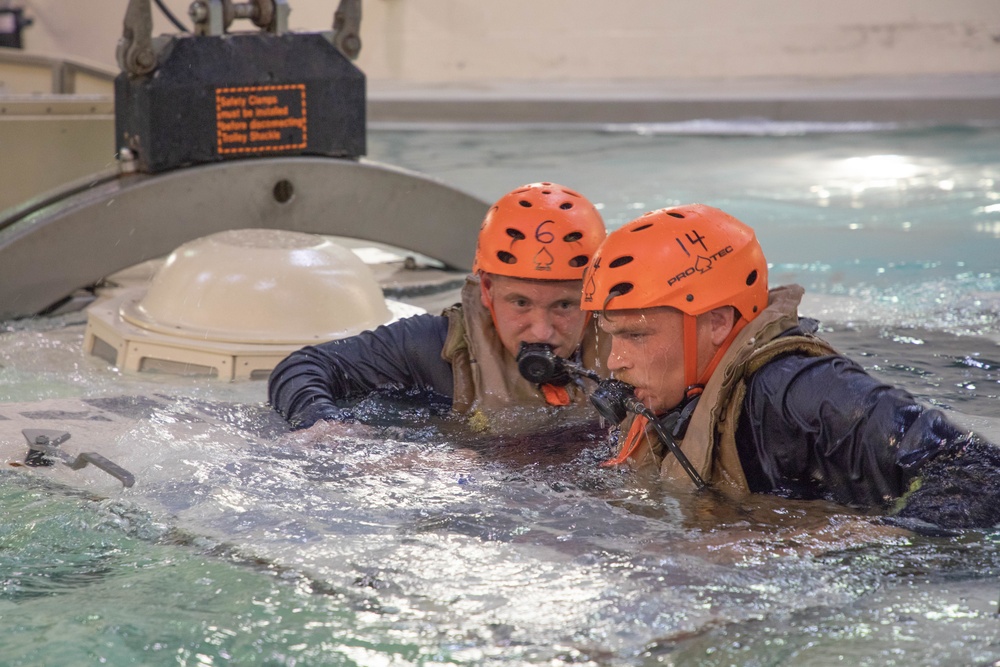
213	17
135	52
347	28
44	443
138	53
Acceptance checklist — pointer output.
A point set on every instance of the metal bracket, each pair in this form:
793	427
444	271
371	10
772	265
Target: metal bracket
43	443
138	53
347	28
213	17
135	52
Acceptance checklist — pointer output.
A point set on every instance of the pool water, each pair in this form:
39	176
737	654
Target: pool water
412	544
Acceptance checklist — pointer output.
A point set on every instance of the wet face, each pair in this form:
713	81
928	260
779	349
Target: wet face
536	311
647	350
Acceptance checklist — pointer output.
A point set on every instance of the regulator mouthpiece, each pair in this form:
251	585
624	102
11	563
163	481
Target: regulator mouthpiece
539	363
614	399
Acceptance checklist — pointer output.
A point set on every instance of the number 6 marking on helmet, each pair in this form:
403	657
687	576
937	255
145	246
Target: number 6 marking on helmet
544	236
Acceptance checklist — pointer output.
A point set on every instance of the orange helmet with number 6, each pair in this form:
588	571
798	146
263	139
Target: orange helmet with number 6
540	231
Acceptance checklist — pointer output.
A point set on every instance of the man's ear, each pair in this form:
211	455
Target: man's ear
721	322
485	283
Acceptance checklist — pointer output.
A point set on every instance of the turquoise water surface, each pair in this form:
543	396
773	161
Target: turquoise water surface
417	546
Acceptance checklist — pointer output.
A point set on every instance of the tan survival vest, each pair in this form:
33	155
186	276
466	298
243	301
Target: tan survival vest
488	386
710	440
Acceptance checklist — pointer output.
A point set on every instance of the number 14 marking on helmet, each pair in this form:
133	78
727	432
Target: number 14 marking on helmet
698	238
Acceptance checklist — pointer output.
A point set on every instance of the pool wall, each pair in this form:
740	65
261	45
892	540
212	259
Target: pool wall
471	41
585	62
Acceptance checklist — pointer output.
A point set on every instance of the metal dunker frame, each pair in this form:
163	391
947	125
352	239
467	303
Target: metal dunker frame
71	238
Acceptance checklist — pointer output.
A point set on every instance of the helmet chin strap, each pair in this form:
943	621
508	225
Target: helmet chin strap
691	357
694	384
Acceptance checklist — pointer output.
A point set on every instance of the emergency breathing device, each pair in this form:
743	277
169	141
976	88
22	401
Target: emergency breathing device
613	399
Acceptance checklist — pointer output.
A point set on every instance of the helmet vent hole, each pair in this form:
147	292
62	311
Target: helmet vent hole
525	203
621	289
675	214
578	261
642	227
620	261
515	234
566	205
546	192
752	278
573	236
506	257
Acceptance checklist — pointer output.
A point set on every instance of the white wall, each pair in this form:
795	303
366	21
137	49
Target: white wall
464	41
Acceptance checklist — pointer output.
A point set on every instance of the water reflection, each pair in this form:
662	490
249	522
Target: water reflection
423	541
421	545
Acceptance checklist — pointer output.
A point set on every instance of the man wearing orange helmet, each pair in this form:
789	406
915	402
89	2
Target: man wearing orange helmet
525	289
729	387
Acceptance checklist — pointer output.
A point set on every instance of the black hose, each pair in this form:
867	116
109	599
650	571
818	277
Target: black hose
633	404
170	16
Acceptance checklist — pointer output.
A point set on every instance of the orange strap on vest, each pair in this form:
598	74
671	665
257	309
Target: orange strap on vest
555	395
631	443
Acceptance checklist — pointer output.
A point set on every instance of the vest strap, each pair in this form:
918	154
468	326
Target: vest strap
631	443
555	395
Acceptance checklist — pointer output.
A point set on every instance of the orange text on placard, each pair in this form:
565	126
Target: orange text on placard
254	119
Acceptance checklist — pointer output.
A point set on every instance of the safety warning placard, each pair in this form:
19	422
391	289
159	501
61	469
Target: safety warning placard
252	119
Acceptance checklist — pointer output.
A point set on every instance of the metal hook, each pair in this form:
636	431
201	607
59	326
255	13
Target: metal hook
45	443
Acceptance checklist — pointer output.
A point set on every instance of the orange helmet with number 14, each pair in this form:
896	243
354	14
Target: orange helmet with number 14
693	258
